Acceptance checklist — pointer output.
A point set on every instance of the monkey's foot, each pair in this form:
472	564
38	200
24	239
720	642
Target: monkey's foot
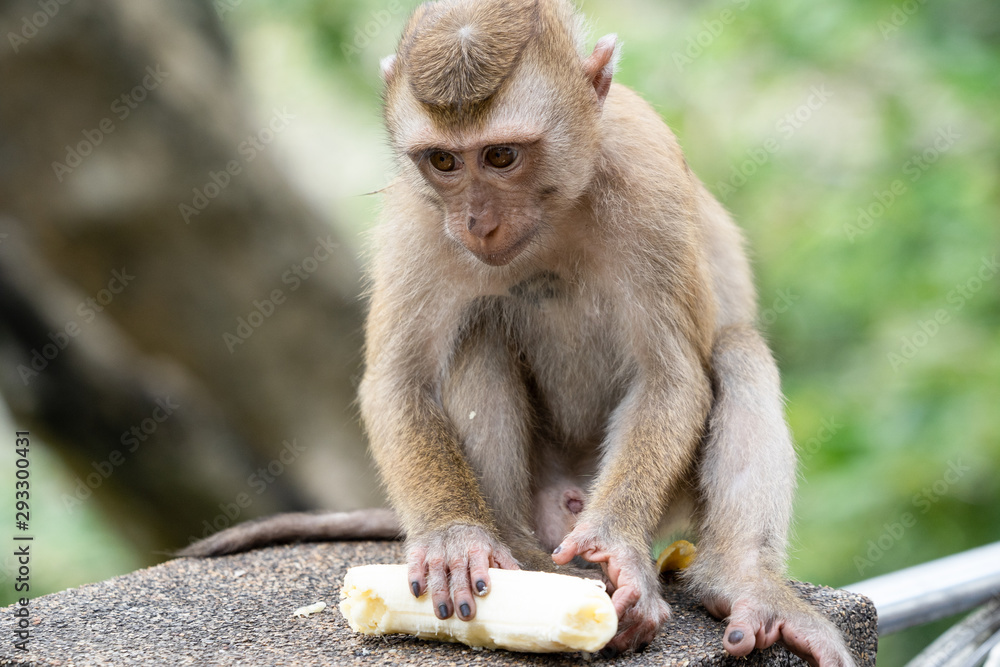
755	623
453	564
632	582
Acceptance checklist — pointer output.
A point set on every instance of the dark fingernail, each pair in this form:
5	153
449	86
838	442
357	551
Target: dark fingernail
643	646
558	549
768	626
443	612
464	610
735	637
608	652
480	586
415	587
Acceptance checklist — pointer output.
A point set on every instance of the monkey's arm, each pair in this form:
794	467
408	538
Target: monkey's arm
651	444
419	457
452	539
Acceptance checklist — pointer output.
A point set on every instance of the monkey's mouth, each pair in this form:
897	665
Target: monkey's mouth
506	254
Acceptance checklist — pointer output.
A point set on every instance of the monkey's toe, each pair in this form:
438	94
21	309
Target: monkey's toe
737	641
749	627
753	625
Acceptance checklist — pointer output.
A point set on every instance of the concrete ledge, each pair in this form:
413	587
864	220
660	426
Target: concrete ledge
237	610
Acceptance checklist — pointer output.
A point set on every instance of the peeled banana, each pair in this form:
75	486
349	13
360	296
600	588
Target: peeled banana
538	612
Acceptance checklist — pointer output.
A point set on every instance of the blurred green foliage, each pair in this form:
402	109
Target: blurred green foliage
857	145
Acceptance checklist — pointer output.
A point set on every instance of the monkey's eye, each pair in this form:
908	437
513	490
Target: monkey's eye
501	156
442	161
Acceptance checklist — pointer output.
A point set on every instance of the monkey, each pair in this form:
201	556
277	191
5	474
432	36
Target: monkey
561	356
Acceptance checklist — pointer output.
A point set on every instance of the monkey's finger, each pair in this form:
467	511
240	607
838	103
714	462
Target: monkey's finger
461	587
416	570
624	598
479	572
437	584
611	566
635	637
501	558
565	552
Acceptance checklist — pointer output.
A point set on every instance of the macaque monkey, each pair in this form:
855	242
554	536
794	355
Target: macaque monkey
561	353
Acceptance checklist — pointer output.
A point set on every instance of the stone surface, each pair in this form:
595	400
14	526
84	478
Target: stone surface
237	610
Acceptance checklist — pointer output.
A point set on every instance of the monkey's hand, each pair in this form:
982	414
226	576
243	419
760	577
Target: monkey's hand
453	564
762	615
633	583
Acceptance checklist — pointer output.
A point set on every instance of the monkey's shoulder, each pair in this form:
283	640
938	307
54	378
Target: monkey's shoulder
636	141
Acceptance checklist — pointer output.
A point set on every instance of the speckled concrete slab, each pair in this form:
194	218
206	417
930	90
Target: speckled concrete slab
237	610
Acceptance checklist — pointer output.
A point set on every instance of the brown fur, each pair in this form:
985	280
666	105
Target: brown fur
457	73
378	524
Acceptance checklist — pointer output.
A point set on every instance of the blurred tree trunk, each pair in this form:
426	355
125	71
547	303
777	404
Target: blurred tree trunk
151	255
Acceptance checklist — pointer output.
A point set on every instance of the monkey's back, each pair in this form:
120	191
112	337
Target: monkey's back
658	171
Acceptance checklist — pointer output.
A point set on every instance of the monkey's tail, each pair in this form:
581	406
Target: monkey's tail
367	524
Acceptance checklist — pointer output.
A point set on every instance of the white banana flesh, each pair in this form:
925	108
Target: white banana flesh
538	612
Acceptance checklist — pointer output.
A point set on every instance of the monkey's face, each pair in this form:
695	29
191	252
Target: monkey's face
490	194
497	127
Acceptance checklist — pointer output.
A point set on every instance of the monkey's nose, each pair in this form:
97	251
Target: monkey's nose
482	227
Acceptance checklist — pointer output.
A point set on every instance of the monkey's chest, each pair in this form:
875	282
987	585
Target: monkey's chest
568	343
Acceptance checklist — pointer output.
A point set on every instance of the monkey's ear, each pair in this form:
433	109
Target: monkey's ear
387	67
600	65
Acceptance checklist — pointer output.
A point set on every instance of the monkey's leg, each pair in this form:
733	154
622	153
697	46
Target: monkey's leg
651	442
747	479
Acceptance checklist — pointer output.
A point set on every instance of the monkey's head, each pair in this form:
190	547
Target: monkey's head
495	114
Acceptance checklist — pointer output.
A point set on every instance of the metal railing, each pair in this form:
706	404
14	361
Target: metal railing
941	588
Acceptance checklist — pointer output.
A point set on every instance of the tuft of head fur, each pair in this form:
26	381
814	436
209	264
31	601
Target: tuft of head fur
506	71
456	55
